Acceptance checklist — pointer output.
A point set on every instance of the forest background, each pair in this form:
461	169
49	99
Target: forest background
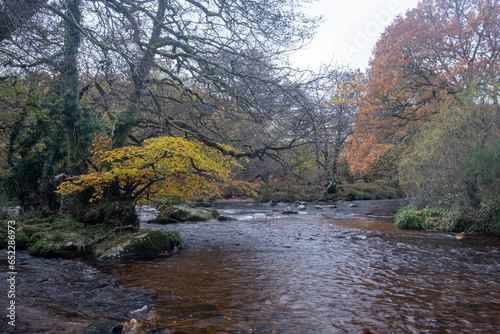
106	104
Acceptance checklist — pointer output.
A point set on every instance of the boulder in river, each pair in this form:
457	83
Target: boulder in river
224	218
141	244
326	206
290	211
173	214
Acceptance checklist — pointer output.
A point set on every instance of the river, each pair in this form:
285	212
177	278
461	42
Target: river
339	270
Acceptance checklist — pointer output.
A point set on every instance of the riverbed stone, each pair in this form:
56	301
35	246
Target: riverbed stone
141	244
173	214
100	327
224	218
301	207
290	211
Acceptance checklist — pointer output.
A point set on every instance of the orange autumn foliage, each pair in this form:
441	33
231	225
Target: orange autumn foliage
165	166
434	52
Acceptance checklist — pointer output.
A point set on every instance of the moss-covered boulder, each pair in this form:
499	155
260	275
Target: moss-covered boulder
140	244
173	214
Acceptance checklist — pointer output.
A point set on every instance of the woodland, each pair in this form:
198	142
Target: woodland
110	104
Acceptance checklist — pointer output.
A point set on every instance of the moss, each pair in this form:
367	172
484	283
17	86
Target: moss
48	236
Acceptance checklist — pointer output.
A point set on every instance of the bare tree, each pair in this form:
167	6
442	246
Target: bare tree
16	13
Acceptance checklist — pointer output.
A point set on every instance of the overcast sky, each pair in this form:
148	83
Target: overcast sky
349	31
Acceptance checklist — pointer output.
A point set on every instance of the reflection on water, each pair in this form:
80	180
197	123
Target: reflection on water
325	272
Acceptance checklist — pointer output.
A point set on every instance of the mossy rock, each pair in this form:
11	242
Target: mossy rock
48	236
172	214
140	244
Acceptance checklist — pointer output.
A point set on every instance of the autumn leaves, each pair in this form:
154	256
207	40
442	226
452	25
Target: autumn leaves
164	166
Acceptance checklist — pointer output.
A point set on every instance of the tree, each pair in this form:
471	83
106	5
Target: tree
16	13
332	121
437	167
433	52
197	48
153	58
162	167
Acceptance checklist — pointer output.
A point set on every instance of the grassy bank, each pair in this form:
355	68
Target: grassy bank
360	190
486	220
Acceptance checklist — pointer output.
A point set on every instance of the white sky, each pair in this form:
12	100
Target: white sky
349	31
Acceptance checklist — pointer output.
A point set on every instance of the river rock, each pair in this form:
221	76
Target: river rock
290	211
172	214
353	205
100	327
224	218
325	206
141	244
301	207
259	216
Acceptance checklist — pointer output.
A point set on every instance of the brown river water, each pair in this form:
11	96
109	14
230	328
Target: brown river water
345	270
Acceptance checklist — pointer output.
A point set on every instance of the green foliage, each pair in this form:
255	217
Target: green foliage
480	170
454	162
439	165
494	220
409	220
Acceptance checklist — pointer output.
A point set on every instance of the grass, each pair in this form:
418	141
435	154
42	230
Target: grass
432	219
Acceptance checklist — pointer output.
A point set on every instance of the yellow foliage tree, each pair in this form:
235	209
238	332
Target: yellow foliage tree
165	166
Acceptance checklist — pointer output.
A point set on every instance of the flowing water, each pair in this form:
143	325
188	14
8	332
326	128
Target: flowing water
343	270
